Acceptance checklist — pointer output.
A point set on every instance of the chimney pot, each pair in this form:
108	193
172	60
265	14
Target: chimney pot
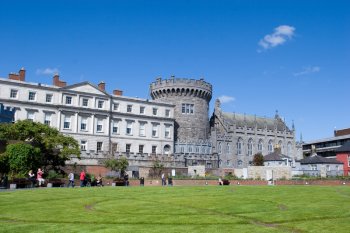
102	86
117	92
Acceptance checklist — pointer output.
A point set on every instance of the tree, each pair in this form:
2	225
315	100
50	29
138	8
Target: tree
258	160
22	157
157	168
51	148
118	165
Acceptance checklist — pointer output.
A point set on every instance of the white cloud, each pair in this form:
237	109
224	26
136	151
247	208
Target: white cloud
308	70
278	37
224	99
47	71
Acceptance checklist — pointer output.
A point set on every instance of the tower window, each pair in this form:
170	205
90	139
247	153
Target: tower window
187	108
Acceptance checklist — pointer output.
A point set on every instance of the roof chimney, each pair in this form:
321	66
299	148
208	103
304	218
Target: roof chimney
20	76
117	92
102	86
57	82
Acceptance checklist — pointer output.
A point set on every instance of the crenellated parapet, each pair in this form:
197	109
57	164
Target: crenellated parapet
180	87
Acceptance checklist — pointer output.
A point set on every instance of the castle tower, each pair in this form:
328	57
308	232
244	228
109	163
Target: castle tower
191	99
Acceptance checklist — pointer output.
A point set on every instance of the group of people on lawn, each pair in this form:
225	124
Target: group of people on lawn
84	181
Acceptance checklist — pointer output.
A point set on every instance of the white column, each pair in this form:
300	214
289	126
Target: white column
76	121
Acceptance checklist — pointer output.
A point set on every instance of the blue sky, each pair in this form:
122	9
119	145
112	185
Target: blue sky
260	56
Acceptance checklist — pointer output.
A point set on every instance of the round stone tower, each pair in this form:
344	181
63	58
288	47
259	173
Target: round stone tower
191	99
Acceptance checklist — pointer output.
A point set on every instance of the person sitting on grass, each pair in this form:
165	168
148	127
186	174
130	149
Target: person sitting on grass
99	181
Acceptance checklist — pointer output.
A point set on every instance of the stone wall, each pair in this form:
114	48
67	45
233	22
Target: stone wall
266	173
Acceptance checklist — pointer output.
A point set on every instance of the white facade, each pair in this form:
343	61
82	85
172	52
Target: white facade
100	122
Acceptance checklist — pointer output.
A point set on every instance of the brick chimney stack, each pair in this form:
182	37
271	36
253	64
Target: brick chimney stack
21	76
117	92
57	82
102	86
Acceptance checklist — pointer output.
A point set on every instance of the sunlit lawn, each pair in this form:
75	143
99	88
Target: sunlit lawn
177	209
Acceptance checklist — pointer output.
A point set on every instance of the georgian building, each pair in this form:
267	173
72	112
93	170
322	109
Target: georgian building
104	124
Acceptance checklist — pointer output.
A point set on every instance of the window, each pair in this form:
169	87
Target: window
127	148
116	106
85	102
68	99
154	130
83	145
167	149
155	111
167	131
269	147
129	108
47	119
115	127
167	112
31	95
48	98
240	163
219	148
99	127
13	94
129	128
228	163
348	160
289	149
99	146
142	110
239	146
142	129
30	115
250	147
228	148
313	167
141	149
187	108
182	149
83	124
260	145
100	104
66	122
154	149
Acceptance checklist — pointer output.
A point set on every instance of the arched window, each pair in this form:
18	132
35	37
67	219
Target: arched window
270	147
240	163
250	147
289	149
260	145
189	148
228	149
239	146
167	149
219	148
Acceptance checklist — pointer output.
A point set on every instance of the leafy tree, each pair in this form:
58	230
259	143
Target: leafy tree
118	165
157	168
258	160
22	157
53	147
4	164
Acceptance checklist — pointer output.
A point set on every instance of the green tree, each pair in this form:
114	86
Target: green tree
157	168
22	157
118	165
258	160
53	148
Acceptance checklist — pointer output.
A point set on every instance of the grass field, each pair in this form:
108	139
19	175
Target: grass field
177	209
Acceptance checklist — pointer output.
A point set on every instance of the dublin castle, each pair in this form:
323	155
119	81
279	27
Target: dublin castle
173	128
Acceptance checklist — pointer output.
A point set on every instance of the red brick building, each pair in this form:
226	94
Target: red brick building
343	155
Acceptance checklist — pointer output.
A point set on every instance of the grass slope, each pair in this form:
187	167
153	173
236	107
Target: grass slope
177	209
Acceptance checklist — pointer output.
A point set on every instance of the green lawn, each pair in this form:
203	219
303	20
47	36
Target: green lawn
177	209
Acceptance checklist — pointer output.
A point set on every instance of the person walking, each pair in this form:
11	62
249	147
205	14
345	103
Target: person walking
163	180
71	180
82	178
39	177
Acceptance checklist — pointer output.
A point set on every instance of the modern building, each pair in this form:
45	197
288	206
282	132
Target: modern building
104	124
326	147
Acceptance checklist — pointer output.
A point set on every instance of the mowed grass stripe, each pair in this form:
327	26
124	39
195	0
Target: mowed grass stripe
177	209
